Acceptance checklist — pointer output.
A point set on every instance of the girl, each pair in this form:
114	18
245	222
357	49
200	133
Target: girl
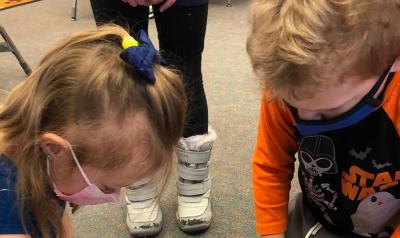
181	27
93	117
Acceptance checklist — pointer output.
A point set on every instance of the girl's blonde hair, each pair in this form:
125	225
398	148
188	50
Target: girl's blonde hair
83	83
296	42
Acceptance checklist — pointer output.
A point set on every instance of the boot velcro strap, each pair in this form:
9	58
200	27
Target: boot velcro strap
188	189
192	174
148	191
142	182
193	157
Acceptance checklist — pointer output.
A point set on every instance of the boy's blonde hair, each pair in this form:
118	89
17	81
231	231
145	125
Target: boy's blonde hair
84	84
297	42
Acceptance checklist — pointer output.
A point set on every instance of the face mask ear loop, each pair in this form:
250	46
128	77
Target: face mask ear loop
79	166
48	165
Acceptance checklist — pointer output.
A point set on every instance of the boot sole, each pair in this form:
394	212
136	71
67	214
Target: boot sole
194	228
193	224
146	229
146	232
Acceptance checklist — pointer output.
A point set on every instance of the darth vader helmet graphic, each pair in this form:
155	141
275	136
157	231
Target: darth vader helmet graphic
317	155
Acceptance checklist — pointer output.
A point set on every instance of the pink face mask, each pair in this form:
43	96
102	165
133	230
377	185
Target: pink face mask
90	195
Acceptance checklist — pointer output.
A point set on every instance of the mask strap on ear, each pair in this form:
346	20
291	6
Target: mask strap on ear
48	165
79	166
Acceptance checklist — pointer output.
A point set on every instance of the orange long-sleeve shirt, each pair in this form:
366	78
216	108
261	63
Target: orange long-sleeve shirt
365	162
273	166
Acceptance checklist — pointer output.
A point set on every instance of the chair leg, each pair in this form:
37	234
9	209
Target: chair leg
74	9
9	45
228	3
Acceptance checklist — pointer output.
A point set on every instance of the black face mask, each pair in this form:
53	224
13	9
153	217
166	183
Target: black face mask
365	107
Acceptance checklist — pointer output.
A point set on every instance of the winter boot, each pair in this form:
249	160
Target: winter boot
193	182
144	217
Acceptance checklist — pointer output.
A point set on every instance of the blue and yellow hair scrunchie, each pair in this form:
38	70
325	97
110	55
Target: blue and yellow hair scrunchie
141	54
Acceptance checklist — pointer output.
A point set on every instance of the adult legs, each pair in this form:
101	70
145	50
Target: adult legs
181	33
120	13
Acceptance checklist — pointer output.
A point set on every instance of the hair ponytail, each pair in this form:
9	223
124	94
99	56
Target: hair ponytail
80	83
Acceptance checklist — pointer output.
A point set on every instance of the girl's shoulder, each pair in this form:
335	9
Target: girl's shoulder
10	222
8	177
7	169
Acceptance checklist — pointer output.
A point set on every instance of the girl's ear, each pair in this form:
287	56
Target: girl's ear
53	145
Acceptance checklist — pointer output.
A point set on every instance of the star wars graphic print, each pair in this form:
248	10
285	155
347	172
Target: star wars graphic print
351	176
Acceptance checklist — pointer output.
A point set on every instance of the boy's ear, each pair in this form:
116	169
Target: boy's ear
53	145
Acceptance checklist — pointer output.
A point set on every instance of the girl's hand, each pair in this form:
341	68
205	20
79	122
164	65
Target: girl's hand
281	235
167	3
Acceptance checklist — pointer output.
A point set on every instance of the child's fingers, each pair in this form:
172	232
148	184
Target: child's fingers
133	3
155	2
167	4
142	2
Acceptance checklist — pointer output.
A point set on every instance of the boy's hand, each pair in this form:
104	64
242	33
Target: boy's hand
167	3
281	235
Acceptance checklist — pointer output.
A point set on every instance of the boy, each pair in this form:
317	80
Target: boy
329	69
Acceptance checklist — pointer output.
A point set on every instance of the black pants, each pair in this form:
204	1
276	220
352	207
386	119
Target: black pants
181	32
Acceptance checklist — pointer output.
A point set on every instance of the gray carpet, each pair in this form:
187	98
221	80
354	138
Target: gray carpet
233	98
